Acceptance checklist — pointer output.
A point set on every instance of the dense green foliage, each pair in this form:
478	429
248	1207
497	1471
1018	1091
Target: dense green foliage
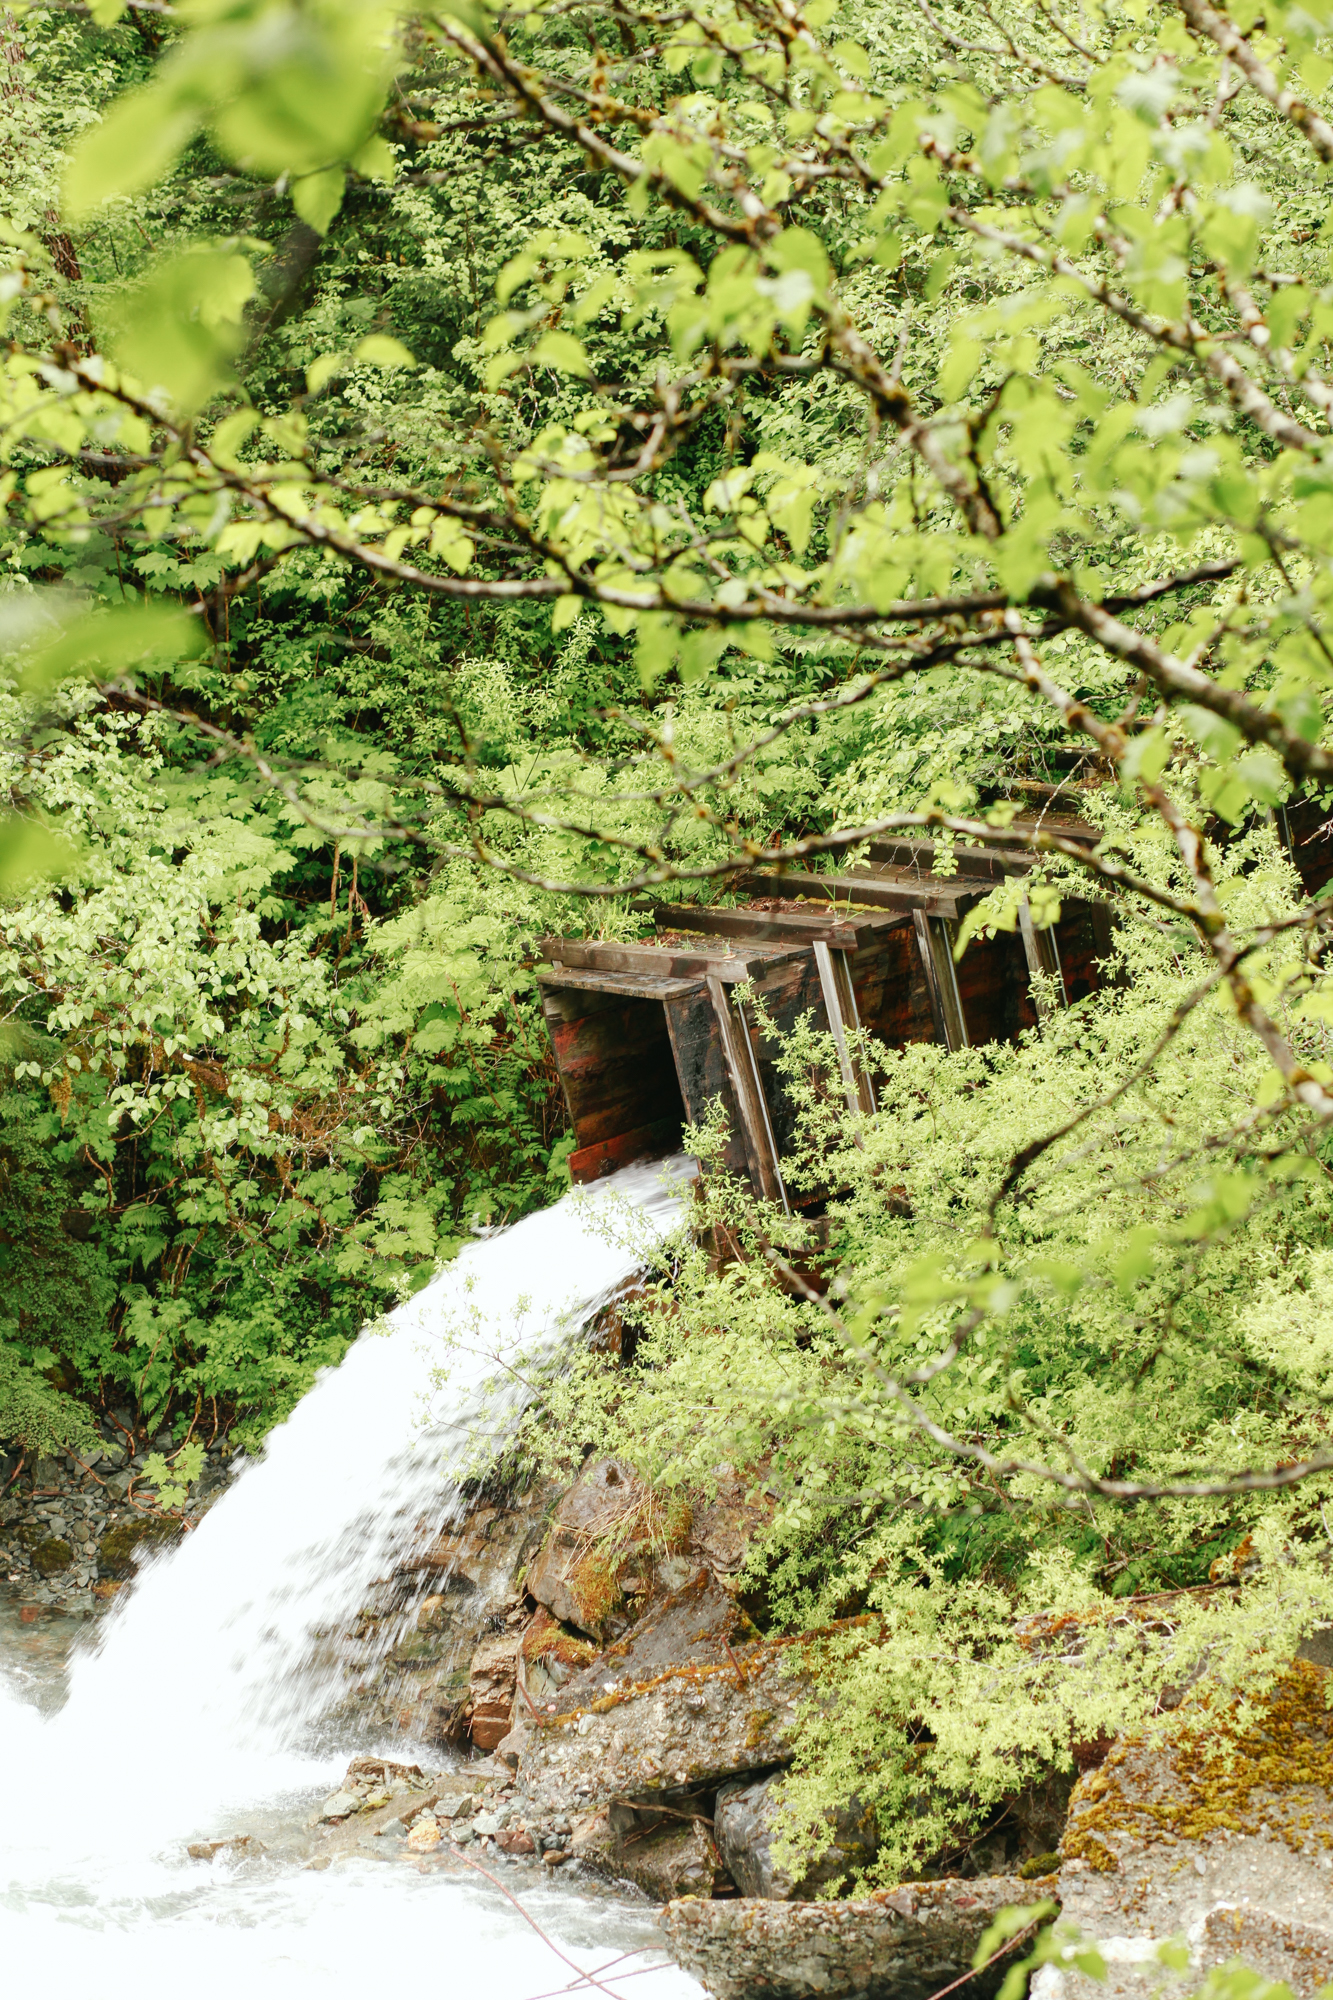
461	468
1155	1309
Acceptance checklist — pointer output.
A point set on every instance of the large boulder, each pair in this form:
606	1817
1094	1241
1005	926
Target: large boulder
124	1548
1222	1832
550	1656
899	1944
745	1827
696	1623
725	1522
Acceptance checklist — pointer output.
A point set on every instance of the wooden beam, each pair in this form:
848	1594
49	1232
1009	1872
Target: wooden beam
1042	949
648	1142
658	961
636	985
743	1071
835	981
935	940
990	859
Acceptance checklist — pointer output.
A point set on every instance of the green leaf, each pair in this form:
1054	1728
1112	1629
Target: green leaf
561	351
322	371
800	249
1135	1261
180	329
318	197
376	160
137	142
381	350
106	644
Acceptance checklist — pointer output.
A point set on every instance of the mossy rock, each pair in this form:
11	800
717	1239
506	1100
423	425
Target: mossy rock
416	1649
52	1555
121	1549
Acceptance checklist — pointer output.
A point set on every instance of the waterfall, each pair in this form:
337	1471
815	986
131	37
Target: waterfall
203	1695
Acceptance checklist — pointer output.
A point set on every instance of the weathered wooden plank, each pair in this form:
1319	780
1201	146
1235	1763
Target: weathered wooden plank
655	961
648	1142
935	938
892	996
1084	938
996	989
840	1009
1042	951
613	1052
874	891
988	860
701	1070
783	926
634	985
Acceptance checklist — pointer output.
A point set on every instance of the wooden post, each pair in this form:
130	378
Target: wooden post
1043	956
835	981
934	936
743	1070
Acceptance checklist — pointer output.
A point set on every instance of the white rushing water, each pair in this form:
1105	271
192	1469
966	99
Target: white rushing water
205	1705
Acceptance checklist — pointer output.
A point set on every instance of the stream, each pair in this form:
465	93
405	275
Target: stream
206	1703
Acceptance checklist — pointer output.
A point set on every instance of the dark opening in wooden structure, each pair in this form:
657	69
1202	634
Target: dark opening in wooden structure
647	1035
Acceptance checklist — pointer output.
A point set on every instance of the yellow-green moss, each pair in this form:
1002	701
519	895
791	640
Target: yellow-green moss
1213	1775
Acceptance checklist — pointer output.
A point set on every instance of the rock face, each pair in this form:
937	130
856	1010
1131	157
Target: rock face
1223	1833
121	1551
491	1688
604	1533
744	1827
696	1623
551	1655
900	1944
435	1619
51	1555
682	1731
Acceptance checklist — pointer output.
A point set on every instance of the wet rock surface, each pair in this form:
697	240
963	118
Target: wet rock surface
900	1944
693	1622
435	1652
1223	1833
745	1827
663	1855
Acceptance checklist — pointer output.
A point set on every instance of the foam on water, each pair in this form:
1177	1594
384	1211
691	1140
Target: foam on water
198	1708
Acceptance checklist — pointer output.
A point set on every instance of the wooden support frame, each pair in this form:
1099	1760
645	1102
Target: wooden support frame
835	982
935	938
748	1091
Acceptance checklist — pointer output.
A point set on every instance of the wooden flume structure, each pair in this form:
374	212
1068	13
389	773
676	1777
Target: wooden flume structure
647	1034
